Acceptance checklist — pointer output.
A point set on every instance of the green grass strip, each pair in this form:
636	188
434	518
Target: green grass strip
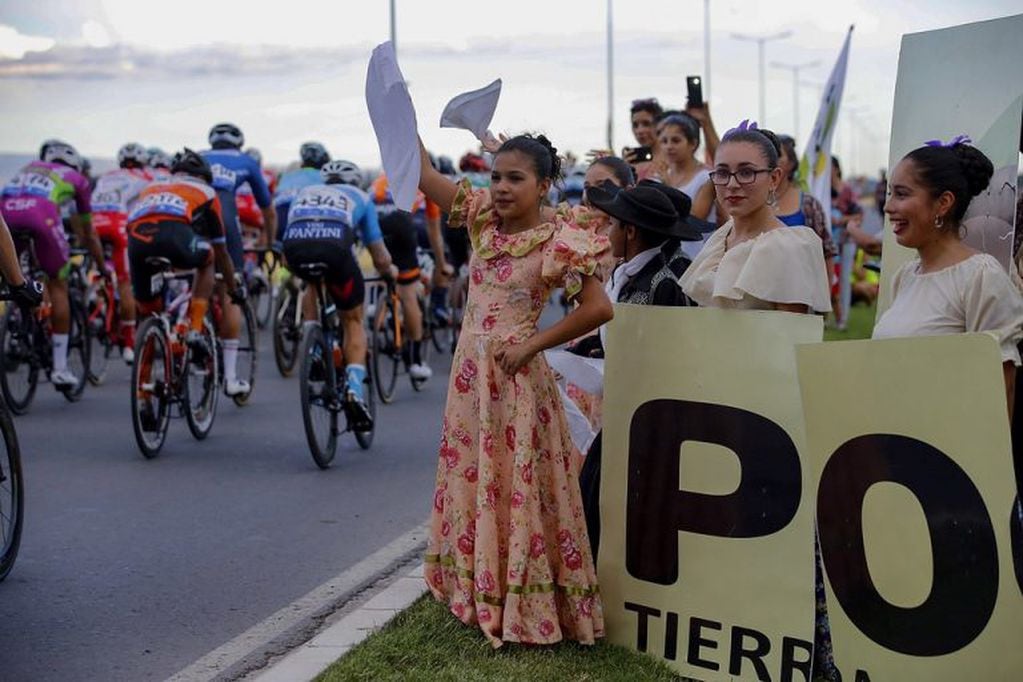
425	642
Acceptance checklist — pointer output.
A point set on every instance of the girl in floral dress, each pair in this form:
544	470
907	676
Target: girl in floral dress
508	548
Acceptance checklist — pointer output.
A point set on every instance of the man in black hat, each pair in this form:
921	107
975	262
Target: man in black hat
648	224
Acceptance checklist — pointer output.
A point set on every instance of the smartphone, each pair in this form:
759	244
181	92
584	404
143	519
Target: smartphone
639	154
694	92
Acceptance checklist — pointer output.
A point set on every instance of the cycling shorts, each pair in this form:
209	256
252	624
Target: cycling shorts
112	228
232	230
37	221
174	241
343	276
457	242
401	240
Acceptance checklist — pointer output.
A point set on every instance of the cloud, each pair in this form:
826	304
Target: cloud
14	45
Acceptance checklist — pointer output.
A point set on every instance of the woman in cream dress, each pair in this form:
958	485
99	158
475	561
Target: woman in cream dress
948	288
754	261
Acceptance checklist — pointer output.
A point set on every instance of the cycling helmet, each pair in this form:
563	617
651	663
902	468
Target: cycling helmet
313	155
132	154
158	158
445	166
62	152
187	161
472	163
48	143
226	135
344	172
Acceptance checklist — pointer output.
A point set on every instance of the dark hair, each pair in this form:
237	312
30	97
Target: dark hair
762	138
649	105
836	165
546	161
961	169
787	144
619	167
687	124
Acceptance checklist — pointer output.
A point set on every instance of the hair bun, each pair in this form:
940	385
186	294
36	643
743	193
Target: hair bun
553	151
976	167
772	138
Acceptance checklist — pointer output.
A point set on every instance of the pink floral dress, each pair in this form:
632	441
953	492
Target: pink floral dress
508	548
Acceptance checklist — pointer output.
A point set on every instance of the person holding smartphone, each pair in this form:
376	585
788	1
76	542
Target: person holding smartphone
644	114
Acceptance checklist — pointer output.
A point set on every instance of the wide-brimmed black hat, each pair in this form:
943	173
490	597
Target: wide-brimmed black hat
683	203
643	207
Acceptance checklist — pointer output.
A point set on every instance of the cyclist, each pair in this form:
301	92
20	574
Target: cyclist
232	168
321	229
313	156
32	208
159	163
249	214
112	200
180	219
24	291
403	232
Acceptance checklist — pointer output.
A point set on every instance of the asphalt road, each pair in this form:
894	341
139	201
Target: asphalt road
131	569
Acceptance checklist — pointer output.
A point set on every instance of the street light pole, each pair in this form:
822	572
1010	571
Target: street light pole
761	41
610	78
394	31
795	69
706	50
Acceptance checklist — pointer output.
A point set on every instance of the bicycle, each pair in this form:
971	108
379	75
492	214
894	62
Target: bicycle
169	373
26	345
258	280
103	320
12	486
247	346
322	379
388	343
287	325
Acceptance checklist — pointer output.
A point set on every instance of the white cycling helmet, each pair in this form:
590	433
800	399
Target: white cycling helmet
134	153
340	171
157	158
226	135
63	153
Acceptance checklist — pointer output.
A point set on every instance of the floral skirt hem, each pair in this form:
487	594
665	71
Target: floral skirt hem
527	614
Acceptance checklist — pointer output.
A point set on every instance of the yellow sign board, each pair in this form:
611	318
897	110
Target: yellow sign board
706	556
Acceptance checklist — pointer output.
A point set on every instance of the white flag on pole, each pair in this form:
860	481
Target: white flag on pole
815	167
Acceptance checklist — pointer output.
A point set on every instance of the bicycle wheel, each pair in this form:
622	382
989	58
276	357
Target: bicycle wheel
287	331
365	438
246	365
319	397
100	343
20	368
12	495
79	348
262	298
151	387
385	355
201	380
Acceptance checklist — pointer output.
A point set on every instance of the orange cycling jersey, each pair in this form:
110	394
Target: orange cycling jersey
383	199
180	200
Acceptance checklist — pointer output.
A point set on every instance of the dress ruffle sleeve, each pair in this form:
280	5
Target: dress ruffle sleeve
993	305
784	266
572	253
471	209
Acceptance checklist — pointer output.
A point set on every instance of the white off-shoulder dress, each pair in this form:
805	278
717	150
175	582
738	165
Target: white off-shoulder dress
974	295
781	265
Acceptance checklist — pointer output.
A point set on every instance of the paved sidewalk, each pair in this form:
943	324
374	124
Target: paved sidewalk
312	658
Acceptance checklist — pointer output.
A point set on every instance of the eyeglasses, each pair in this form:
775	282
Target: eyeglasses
744	176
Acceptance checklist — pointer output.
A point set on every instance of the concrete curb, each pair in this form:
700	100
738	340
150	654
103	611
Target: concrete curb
296	623
316	655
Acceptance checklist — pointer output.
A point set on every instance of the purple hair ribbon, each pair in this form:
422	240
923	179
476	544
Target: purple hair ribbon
958	139
743	126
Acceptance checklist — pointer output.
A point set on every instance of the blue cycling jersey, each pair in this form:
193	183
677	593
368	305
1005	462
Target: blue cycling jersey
233	168
292	182
334	204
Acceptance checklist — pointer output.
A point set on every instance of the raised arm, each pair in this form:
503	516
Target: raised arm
438	188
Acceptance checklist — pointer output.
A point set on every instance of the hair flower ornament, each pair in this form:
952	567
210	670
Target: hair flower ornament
958	139
744	125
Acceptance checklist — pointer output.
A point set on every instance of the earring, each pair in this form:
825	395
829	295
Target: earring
772	198
939	222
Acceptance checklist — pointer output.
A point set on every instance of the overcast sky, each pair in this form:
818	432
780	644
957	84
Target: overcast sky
100	73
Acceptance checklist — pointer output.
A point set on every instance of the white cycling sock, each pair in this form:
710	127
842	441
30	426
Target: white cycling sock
231	359
60	344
